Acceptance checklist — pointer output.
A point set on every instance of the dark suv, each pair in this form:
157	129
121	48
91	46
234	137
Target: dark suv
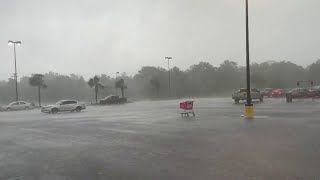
298	93
112	100
315	92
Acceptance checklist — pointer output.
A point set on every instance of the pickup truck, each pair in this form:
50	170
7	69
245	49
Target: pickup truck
241	95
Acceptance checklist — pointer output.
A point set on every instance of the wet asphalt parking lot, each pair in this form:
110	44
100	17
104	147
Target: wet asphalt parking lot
150	140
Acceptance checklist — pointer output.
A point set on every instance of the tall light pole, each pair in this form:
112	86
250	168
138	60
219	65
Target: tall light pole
249	105
169	58
116	83
10	42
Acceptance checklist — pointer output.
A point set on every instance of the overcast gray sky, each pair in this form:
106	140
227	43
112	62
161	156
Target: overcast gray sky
104	36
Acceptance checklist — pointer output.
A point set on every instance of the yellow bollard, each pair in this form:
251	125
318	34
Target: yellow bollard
248	111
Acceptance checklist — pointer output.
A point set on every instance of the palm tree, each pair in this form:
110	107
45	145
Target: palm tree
37	80
120	84
156	85
94	82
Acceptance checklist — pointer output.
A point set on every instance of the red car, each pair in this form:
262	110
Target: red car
278	93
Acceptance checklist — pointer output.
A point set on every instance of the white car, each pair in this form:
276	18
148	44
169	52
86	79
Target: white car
64	105
17	105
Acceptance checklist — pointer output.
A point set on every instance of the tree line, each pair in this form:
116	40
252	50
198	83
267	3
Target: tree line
200	80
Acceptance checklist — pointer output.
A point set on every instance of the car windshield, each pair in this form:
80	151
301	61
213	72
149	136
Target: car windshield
252	90
316	87
59	102
300	89
13	103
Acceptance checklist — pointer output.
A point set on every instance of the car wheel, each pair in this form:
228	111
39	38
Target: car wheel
9	109
237	101
78	109
54	110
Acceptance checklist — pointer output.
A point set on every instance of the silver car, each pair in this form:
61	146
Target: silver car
64	105
17	105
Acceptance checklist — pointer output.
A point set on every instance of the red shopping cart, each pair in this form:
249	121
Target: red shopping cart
187	106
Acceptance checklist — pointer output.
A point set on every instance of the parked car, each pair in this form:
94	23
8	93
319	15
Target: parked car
112	100
241	94
64	105
315	92
18	105
278	93
266	92
298	93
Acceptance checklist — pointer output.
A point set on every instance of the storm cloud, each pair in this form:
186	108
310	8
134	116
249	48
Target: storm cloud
103	36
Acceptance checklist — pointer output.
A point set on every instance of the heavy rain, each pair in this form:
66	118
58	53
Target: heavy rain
124	89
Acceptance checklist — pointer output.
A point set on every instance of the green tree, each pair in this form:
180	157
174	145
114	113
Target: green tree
120	85
37	80
314	72
95	82
228	77
143	81
201	78
285	74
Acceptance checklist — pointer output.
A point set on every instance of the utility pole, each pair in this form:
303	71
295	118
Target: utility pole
116	83
15	64
169	79
249	105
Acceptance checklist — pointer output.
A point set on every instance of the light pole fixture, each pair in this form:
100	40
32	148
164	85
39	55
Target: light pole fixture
169	79
10	42
116	83
248	105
